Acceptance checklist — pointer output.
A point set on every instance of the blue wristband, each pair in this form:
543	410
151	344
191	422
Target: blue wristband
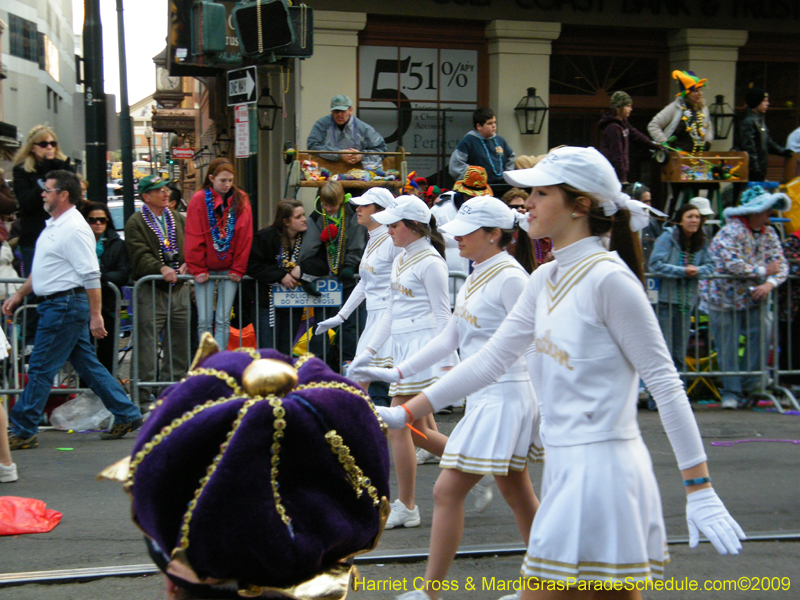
698	481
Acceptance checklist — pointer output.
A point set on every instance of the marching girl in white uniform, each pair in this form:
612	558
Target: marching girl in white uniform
419	308
375	270
499	432
600	515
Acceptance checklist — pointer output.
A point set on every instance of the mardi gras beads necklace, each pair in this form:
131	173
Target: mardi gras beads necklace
335	245
498	150
685	259
222	243
167	240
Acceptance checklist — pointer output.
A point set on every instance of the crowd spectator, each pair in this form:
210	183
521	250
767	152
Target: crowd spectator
680	258
114	268
332	247
754	135
521	247
340	130
154	238
66	276
219	234
789	301
704	206
684	124
275	259
8	206
39	155
651	232
793	141
618	133
748	248
482	147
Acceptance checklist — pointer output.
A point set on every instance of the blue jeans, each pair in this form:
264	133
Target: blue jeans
726	327
216	321
675	327
63	335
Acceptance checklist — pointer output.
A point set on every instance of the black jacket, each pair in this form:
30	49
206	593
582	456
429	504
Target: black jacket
755	140
29	197
263	264
114	265
313	253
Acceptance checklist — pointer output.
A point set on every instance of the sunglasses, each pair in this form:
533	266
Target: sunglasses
93	220
49	191
53	144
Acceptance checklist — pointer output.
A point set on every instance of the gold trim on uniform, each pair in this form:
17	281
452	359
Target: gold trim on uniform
556	293
545	346
401	267
591	570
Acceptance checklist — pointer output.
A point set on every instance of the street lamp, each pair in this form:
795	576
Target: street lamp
148	133
722	116
267	110
530	112
222	145
201	158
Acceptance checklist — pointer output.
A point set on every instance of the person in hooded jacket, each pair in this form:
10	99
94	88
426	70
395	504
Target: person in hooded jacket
617	135
115	267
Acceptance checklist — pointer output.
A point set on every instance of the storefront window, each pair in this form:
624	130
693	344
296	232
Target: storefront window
419	98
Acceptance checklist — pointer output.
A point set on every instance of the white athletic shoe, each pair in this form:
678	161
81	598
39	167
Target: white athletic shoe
515	596
402	517
727	403
426	458
413	595
8	473
483	496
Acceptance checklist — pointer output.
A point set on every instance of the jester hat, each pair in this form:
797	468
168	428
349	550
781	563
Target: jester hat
688	82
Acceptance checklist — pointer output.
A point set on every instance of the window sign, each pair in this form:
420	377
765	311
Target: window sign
419	98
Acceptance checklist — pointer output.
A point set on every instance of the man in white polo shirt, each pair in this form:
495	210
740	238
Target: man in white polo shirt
66	275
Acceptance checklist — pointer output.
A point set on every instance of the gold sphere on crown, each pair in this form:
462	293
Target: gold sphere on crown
267	376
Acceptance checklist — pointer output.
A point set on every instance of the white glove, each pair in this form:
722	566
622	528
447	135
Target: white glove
362	360
377	374
323	326
706	513
395	417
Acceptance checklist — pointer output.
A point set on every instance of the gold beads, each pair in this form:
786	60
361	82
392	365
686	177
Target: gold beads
266	376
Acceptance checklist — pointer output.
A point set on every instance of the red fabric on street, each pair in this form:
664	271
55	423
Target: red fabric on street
26	515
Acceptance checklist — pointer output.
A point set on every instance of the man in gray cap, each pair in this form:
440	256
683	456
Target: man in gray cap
342	131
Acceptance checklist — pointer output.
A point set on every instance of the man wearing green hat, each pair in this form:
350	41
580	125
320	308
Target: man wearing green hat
154	238
342	131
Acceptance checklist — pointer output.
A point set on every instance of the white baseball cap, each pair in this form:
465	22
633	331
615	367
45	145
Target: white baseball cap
477	212
703	205
376	195
404	207
584	169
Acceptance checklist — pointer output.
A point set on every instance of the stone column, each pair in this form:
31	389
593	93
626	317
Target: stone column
711	54
519	58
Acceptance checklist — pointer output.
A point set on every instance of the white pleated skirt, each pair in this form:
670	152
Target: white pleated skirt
405	345
499	431
383	357
600	516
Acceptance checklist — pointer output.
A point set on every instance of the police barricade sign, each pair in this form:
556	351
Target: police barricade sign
652	289
330	290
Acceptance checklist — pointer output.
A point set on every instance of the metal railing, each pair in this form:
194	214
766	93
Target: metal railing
16	331
765	364
750	340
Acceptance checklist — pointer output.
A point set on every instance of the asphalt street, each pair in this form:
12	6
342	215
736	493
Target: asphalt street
757	479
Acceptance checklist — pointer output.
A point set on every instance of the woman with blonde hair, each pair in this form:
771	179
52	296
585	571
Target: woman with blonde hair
219	235
39	155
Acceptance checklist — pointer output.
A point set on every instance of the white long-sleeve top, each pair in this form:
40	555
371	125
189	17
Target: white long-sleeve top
419	296
484	301
594	330
375	270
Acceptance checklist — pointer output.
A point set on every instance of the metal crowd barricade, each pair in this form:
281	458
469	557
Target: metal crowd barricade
13	378
300	332
702	350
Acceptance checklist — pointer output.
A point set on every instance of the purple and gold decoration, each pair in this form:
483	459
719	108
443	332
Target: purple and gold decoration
260	476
